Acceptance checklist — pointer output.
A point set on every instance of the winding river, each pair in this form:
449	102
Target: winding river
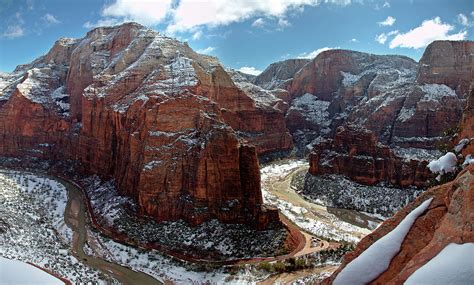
75	217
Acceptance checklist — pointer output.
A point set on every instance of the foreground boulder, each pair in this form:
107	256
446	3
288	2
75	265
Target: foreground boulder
447	220
131	104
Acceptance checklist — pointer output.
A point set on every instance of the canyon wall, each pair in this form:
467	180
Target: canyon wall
144	109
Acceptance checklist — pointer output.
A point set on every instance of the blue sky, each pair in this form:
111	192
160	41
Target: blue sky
244	34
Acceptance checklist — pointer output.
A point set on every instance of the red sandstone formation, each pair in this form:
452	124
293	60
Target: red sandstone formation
279	74
449	63
404	103
131	104
356	153
467	126
448	219
264	125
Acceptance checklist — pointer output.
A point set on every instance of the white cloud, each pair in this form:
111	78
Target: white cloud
341	2
107	22
387	22
383	37
197	35
463	20
314	53
259	23
51	19
429	31
221	12
384	5
147	12
283	23
15	29
13	32
250	70
187	15
354	40
207	50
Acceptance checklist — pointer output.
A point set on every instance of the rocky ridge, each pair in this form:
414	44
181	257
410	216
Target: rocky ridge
278	75
396	99
356	153
129	103
447	220
385	94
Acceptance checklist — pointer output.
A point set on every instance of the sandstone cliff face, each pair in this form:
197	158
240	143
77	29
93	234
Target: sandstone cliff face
356	153
264	126
449	63
467	126
279	74
131	104
448	219
385	94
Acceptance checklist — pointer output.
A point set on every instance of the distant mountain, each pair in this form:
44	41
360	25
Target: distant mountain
279	74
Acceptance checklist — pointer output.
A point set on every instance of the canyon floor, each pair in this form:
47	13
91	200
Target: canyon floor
68	245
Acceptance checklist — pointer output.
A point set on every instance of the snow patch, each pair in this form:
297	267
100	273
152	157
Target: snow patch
444	164
462	143
435	92
405	114
453	265
376	259
17	272
349	79
312	109
468	160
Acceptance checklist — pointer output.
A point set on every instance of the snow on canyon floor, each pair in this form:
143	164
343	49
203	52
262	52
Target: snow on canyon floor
32	229
280	189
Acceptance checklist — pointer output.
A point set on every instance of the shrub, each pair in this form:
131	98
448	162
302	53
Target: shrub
279	266
265	265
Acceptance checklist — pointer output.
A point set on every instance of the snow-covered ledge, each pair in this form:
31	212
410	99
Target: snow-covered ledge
376	259
453	265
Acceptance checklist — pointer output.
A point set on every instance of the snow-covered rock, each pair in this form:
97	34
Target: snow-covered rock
444	164
376	259
17	272
453	265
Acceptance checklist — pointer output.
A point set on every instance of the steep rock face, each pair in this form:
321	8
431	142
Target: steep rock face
131	104
331	69
356	153
279	74
448	219
467	125
264	126
381	93
449	63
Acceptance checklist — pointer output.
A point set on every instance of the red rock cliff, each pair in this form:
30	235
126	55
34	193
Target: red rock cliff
356	153
404	103
449	63
448	219
131	104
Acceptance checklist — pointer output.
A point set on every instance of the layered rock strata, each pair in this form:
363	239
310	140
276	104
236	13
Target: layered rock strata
356	153
131	104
